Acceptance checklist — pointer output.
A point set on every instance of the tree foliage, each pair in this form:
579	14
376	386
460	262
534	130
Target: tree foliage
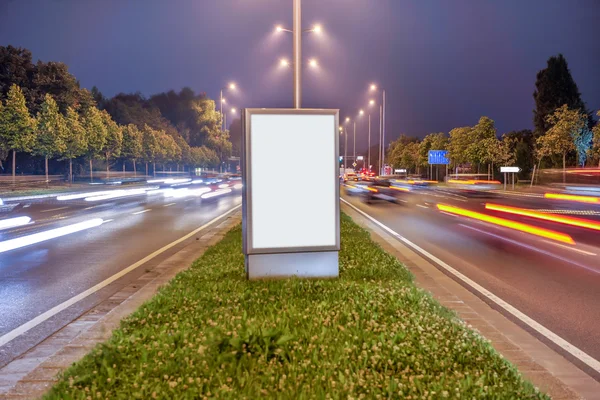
75	139
114	137
17	128
51	130
566	128
554	87
95	131
132	143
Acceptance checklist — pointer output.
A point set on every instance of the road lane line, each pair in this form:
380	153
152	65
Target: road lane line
108	220
422	206
169	205
539	328
587	253
68	303
533	248
141	212
54	209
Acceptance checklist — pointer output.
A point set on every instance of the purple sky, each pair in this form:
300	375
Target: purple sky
444	63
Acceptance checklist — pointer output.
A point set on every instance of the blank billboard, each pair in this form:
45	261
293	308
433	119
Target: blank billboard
292	187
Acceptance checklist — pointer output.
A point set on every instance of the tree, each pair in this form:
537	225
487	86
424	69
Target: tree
596	141
17	128
151	147
16	68
185	151
114	139
566	129
522	146
170	150
132	144
51	132
75	140
55	79
483	142
458	144
95	134
554	87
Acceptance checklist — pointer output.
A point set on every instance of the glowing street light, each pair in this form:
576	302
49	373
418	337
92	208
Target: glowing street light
347	119
223	101
371	102
373	86
361	112
233	110
284	62
297	49
231	86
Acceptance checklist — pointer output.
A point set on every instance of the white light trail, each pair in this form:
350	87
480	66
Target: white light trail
28	240
13	222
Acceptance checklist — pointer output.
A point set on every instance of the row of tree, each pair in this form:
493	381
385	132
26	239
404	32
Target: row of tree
45	113
564	133
89	133
479	145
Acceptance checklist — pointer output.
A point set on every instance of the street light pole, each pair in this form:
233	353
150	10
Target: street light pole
354	156
369	156
221	109
380	125
383	134
297	33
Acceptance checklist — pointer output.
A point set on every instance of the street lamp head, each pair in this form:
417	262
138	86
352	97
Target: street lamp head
361	112
232	86
373	86
313	63
284	62
317	29
233	110
371	102
341	128
279	28
347	119
223	101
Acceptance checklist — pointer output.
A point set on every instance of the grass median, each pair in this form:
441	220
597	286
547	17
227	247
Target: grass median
369	334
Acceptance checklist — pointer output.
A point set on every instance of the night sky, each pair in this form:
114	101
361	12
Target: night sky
444	63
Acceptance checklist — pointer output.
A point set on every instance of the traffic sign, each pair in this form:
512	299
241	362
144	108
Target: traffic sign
354	164
359	158
438	157
510	169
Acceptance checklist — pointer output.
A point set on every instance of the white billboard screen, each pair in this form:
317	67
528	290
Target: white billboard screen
292	181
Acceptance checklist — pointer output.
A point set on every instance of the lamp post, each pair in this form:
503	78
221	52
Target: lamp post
346	143
381	128
297	49
371	104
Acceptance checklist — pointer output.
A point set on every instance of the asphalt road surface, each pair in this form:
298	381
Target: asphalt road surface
35	278
556	284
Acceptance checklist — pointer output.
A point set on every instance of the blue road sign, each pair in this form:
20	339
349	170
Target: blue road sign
438	157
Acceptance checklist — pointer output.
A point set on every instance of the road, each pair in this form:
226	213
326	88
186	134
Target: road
556	284
35	278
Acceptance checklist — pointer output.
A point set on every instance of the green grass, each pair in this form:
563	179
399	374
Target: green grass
370	334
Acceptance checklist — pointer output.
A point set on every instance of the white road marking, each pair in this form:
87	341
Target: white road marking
169	205
54	209
68	303
542	330
587	253
107	220
533	248
402	200
422	206
143	211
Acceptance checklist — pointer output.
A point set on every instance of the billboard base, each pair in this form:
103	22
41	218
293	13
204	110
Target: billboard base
322	264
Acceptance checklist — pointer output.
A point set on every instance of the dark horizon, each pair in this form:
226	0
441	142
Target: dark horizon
443	67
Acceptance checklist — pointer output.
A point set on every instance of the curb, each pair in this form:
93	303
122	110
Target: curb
541	365
35	372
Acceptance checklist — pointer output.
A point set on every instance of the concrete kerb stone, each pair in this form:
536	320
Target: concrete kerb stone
32	374
544	367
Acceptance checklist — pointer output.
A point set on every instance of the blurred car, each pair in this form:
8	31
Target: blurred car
380	188
351	176
470	185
